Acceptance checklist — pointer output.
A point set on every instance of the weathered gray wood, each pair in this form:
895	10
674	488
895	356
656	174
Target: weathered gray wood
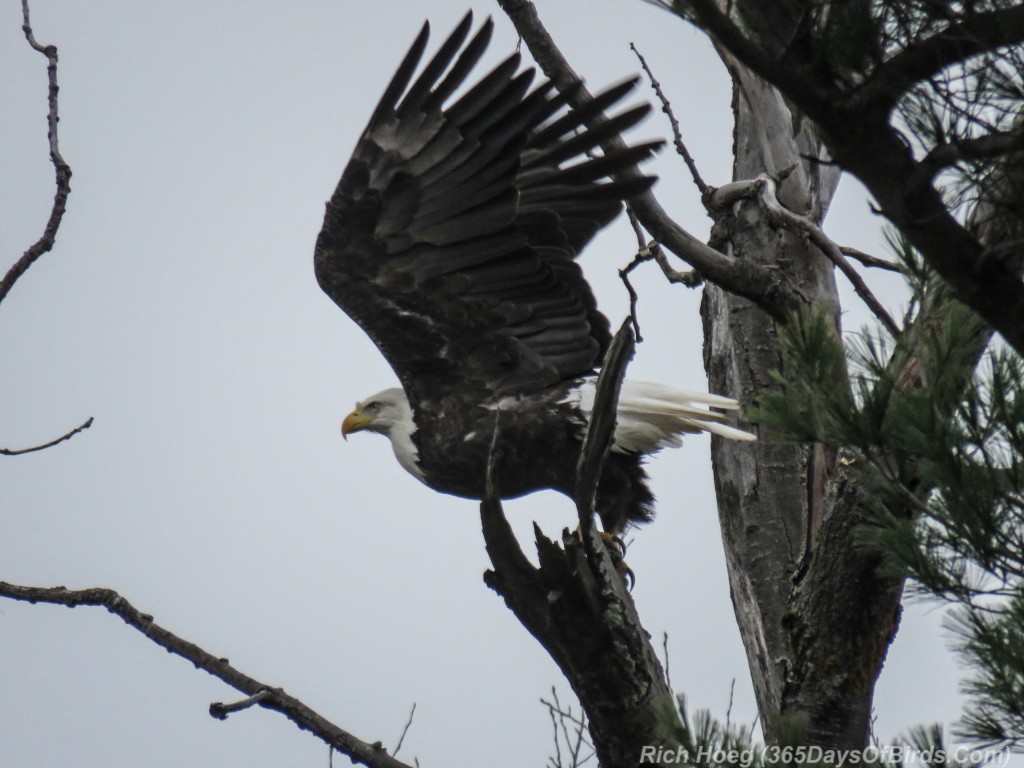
814	618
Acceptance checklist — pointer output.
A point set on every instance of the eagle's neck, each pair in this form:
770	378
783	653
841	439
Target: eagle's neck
400	433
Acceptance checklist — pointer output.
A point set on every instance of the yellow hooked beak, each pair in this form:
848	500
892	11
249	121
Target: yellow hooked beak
354	422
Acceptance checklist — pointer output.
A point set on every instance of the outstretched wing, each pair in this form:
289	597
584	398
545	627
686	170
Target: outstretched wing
452	234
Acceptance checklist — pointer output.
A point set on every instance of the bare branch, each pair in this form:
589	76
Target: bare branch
741	277
764	189
372	755
408	723
817	236
562	718
653	252
664	648
691	278
60	199
728	710
61	439
677	136
63	171
861	139
641	256
868	260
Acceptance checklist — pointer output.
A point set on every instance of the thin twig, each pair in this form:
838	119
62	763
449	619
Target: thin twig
642	254
575	741
653	252
664	648
62	170
691	278
728	710
556	761
638	228
304	717
646	251
67	436
398	746
677	136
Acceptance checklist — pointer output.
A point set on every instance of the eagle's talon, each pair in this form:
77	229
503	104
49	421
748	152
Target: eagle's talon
617	551
616	541
616	547
627	575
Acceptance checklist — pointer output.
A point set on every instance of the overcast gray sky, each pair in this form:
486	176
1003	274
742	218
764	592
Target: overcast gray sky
214	490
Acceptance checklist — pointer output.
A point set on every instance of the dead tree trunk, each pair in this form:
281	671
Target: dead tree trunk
814	618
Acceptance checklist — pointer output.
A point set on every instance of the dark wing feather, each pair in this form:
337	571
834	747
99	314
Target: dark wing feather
452	234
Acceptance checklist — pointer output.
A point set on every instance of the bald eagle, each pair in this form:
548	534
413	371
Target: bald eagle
451	240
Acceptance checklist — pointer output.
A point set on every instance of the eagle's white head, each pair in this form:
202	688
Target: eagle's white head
388	413
379	413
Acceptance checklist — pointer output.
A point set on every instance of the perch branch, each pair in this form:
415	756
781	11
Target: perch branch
372	755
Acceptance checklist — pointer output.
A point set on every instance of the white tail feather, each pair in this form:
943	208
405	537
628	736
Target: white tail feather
652	416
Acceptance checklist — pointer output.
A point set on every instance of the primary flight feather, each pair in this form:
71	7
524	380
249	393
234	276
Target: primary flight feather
451	240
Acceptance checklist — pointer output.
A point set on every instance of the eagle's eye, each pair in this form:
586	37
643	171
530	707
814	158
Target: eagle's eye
373	408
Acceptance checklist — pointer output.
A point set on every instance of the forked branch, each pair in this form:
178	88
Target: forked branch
261	694
763	190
